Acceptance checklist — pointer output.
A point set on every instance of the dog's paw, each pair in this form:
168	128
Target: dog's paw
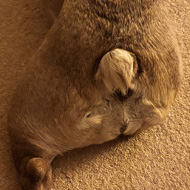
36	174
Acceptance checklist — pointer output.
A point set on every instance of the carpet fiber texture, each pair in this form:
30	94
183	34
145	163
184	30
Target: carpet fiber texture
158	158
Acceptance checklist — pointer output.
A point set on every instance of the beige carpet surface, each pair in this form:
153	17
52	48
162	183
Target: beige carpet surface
158	158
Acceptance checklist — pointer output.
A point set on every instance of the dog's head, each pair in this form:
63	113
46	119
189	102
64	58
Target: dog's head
118	78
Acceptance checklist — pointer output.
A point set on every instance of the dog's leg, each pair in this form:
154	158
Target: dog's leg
116	71
35	174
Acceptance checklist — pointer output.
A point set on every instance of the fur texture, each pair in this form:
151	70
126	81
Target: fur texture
106	67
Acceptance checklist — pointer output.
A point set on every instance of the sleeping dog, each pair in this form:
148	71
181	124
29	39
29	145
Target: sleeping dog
105	68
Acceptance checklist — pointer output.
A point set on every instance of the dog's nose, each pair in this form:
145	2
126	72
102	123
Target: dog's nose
123	128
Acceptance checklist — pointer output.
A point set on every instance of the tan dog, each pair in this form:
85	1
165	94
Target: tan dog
106	67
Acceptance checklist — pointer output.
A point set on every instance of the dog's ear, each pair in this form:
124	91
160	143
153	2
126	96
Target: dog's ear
116	70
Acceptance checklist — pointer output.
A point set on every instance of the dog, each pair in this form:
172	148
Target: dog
105	68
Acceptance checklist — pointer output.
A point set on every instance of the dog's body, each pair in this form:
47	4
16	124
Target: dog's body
50	8
73	94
